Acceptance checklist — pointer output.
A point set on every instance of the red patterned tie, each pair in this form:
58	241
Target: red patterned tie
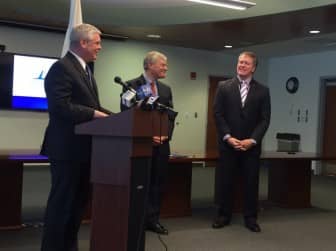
153	89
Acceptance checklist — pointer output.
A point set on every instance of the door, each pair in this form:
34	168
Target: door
329	125
211	132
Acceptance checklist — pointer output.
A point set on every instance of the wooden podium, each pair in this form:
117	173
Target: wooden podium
120	166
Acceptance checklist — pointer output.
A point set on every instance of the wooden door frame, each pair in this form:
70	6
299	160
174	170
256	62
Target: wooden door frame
207	142
321	117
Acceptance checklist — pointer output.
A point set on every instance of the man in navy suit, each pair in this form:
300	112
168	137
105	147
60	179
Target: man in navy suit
156	67
242	113
72	99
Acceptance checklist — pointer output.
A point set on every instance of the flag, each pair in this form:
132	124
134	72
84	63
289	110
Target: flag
75	19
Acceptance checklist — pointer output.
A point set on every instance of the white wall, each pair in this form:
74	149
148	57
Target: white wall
190	96
25	129
308	68
20	130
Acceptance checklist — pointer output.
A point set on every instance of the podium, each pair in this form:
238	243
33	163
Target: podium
120	168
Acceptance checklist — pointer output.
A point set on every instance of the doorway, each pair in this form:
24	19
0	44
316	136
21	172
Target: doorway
211	132
328	121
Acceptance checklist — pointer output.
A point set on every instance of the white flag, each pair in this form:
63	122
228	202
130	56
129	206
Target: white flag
75	19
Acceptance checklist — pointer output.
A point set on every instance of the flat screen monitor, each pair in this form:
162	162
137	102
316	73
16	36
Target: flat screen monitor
22	81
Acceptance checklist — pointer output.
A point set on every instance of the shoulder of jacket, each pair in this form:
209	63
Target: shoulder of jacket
227	83
68	61
163	85
259	85
136	81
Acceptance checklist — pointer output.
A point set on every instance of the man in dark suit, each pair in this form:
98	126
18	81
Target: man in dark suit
72	99
155	66
242	113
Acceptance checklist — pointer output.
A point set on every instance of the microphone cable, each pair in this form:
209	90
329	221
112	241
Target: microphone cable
160	135
161	142
162	242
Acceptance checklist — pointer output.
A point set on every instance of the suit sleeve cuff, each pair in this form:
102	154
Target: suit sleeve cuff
226	136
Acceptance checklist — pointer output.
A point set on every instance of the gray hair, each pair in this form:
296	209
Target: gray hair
83	32
151	58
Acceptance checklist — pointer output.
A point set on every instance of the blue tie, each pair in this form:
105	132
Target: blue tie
88	74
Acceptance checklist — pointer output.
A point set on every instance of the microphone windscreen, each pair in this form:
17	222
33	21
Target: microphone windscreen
117	80
143	91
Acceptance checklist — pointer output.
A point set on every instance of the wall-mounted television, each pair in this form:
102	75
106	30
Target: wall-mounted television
22	81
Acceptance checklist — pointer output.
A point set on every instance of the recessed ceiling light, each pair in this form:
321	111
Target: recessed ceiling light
227	46
314	31
231	4
153	36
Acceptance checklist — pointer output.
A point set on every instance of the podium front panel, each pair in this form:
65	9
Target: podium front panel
111	158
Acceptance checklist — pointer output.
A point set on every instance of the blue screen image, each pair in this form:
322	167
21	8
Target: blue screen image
28	82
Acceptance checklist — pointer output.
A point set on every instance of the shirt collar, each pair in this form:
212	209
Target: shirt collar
148	80
80	60
247	81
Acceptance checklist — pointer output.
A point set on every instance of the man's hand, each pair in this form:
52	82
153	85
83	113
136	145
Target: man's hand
98	114
235	143
246	144
240	145
158	140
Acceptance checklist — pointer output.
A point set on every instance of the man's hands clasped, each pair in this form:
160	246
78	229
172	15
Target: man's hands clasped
240	145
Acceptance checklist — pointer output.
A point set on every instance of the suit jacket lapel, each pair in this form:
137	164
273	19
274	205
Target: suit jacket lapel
250	92
159	90
141	81
236	91
92	87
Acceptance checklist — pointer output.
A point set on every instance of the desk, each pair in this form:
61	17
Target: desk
289	182
289	178
11	179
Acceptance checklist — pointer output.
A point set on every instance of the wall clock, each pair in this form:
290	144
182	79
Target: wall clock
292	85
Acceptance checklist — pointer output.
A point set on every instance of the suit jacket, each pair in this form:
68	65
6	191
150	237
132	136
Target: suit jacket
165	98
72	100
250	121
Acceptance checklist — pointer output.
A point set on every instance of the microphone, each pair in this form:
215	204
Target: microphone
128	98
123	84
151	103
170	111
142	91
163	107
142	97
147	102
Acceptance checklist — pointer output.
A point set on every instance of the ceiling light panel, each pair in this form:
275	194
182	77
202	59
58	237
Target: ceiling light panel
232	4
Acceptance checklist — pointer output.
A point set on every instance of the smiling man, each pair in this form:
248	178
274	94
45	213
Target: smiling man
155	66
242	113
72	99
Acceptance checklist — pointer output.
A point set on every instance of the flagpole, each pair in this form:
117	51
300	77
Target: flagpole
75	18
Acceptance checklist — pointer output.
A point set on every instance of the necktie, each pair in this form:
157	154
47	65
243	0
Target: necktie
88	74
243	91
153	89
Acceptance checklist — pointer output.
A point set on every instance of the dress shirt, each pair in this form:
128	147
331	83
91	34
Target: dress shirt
148	85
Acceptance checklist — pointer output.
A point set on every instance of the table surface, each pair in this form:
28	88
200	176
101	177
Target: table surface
267	155
32	155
